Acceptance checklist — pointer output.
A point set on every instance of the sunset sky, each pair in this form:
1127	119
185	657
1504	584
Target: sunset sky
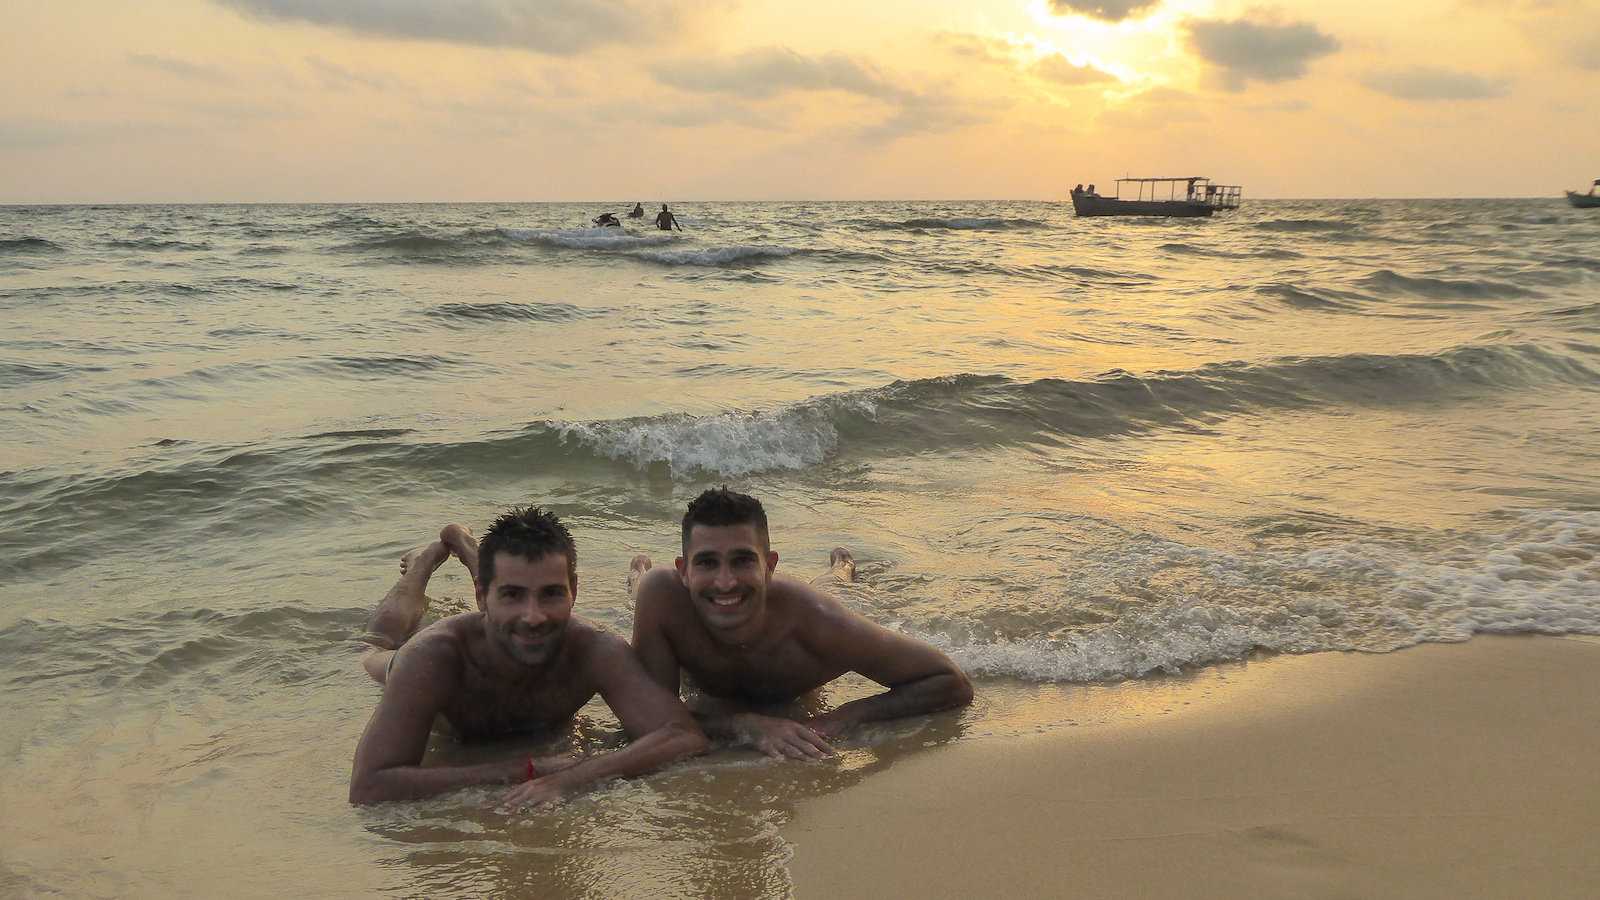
505	100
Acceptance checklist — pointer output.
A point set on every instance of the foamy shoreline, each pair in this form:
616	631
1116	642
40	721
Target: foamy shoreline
1437	771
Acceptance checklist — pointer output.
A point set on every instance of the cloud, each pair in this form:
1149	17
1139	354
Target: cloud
558	27
1427	83
1061	70
1155	109
179	68
973	47
1247	50
335	77
771	71
923	114
1109	10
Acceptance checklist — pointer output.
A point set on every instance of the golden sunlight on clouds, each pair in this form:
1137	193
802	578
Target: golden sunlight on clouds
560	99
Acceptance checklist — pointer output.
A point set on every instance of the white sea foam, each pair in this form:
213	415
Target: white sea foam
655	246
733	443
1541	576
616	240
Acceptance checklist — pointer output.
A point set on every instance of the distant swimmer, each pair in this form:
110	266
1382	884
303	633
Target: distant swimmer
522	664
754	642
666	221
607	220
637	212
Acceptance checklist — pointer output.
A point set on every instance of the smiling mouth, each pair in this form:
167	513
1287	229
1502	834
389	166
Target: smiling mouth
734	600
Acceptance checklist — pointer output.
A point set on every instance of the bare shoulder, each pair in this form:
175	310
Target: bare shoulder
434	657
597	651
587	640
661	596
813	611
442	644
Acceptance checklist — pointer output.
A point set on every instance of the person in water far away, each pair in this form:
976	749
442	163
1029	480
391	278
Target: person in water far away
637	212
666	221
754	642
521	664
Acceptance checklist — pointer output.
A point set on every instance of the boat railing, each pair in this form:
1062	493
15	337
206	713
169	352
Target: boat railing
1196	189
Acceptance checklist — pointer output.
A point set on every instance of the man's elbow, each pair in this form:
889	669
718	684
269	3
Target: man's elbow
959	693
362	791
367	788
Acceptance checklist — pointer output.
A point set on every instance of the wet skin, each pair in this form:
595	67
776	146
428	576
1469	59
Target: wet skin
523	664
755	640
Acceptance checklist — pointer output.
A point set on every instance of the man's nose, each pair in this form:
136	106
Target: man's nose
533	615
725	580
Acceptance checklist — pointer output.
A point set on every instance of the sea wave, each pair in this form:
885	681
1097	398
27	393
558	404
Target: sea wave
1392	282
953	223
1306	226
905	417
158	244
1536	577
28	245
467	313
656	247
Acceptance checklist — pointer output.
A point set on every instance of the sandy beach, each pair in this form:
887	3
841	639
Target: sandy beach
1460	770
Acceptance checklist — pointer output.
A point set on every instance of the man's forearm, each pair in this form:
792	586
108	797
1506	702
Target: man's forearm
415	782
946	690
648	753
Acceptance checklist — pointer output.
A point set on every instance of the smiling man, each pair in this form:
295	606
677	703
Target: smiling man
755	642
522	665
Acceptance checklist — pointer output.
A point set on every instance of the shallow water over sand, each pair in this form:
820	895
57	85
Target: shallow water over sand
1067	451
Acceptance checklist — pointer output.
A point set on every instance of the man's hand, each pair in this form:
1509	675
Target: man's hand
537	792
778	738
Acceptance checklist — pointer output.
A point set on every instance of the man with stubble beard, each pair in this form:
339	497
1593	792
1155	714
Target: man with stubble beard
521	664
754	642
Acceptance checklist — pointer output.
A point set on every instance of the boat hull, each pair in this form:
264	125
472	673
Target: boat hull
1089	205
1582	201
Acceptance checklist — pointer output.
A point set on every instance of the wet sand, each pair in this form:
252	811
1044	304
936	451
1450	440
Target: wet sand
1463	770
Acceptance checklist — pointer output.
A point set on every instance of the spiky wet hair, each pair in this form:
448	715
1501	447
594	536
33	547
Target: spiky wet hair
528	532
720	506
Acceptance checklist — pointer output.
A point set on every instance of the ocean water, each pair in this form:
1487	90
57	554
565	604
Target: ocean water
1069	452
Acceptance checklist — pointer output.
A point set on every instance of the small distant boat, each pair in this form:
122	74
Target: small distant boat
1590	200
1199	198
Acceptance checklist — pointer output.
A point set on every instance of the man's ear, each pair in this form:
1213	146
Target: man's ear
682	565
574	585
772	562
480	594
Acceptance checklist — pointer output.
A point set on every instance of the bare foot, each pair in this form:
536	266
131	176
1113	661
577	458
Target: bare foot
463	546
431	556
639	565
401	610
842	564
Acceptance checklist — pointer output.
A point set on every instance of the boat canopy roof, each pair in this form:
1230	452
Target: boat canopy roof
1186	178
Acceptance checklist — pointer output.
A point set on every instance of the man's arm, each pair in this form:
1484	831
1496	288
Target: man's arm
652	609
388	759
660	728
920	679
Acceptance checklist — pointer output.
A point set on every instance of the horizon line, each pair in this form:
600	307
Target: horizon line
1063	200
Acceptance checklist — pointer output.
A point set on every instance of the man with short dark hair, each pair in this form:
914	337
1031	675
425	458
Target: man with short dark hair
521	664
756	642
